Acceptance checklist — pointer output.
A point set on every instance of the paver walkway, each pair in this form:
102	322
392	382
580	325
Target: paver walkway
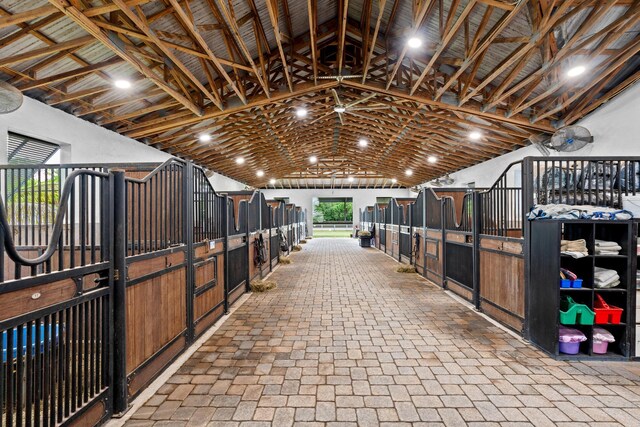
345	340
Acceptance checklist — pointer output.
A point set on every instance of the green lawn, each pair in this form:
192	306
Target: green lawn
323	232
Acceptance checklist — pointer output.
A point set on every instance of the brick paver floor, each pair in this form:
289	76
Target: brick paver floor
345	340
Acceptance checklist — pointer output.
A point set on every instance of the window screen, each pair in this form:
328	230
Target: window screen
24	150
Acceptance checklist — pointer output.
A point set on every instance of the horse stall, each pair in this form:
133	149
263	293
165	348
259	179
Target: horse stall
56	294
277	209
418	233
404	223
459	247
380	232
237	245
209	242
501	260
155	272
290	217
434	238
259	236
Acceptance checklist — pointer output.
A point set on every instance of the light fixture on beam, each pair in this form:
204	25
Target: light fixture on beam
351	179
432	159
414	42
313	159
205	137
272	181
301	113
240	160
339	109
363	142
122	84
393	180
408	172
475	135
260	173
576	71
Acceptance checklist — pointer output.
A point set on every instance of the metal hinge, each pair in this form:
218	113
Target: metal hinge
116	274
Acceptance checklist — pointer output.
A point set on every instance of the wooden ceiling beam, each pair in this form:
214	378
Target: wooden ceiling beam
140	21
372	44
450	31
418	17
88	25
45	51
70	74
235	31
486	42
272	6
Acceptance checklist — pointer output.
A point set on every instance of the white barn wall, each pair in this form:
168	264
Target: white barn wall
82	141
361	197
615	128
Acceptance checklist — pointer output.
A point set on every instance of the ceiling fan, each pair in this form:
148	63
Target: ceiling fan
342	108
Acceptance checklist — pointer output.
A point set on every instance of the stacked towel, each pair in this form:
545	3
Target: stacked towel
604	278
604	247
575	248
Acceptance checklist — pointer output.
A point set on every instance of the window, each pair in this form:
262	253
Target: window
24	150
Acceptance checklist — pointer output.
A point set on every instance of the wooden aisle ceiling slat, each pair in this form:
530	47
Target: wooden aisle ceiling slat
238	70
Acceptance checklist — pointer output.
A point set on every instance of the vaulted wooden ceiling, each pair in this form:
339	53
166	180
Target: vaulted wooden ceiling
239	69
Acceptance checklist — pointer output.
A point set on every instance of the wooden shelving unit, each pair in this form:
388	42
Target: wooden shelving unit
545	293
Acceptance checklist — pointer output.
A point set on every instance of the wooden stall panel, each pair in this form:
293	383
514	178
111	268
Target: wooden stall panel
155	315
27	300
158	263
208	306
502	283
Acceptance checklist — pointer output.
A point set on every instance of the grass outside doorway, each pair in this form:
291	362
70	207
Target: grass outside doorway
321	232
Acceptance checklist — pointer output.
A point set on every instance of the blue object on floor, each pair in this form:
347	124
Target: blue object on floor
5	339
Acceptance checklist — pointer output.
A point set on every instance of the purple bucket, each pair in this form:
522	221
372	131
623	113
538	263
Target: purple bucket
569	347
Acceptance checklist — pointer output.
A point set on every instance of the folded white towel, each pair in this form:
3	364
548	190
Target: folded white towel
607	252
605	243
607	285
603	274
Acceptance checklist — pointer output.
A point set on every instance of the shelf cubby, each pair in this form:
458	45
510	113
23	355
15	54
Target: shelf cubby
545	292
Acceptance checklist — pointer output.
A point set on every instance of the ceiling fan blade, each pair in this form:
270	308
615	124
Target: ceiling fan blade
359	101
370	108
321	117
336	97
341	119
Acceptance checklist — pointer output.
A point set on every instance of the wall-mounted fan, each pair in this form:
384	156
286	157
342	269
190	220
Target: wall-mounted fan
571	138
566	139
445	180
350	108
10	98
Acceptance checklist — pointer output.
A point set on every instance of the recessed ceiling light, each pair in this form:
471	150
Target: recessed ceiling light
351	179
240	160
339	109
414	42
393	180
122	84
204	137
260	173
301	113
432	159
475	135
363	142
408	172
313	159
576	71
272	181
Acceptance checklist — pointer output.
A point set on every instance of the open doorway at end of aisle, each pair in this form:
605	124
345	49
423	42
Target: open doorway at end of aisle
333	217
